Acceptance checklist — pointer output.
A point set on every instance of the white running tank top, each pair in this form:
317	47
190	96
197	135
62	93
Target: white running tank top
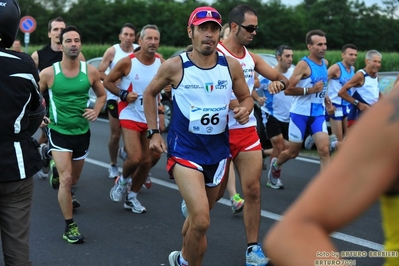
137	80
119	54
248	67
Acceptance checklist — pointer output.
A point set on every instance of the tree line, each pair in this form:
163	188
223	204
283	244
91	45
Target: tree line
344	21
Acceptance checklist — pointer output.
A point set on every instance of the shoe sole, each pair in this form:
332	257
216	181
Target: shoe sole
172	258
112	197
127	207
75	204
79	241
238	210
270	185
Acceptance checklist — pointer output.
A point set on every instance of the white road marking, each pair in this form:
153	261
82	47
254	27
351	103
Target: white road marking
344	237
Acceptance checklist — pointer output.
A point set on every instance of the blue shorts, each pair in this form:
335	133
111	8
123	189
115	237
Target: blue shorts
341	112
299	124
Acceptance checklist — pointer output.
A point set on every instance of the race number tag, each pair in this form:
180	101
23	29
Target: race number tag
138	104
338	112
208	120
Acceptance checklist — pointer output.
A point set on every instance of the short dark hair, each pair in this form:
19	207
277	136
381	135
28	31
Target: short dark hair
129	25
348	45
237	14
281	48
68	29
311	33
58	19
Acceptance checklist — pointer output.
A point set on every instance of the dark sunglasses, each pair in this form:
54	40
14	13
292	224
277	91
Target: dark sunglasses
204	14
250	28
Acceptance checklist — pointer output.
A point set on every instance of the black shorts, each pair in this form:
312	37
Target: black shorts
77	144
275	127
112	108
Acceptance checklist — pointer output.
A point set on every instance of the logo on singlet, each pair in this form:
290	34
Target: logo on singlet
222	85
209	87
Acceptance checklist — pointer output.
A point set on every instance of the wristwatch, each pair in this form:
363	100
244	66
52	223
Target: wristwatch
150	132
356	102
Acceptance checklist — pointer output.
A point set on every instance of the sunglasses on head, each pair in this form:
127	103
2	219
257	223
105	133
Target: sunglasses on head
205	14
250	28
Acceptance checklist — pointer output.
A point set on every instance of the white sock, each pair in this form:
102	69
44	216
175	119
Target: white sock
182	261
123	180
132	195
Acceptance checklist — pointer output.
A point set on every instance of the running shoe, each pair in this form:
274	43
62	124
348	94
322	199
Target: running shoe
72	235
135	205
42	174
333	142
183	209
174	258
113	171
276	184
54	177
122	153
75	202
309	142
147	184
255	256
237	203
274	171
43	149
118	189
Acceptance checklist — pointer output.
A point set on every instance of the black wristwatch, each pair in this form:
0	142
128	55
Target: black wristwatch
355	102
151	132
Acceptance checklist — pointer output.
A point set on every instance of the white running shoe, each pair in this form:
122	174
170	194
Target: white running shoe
183	209
122	154
135	205
333	142
173	258
256	257
117	191
42	174
113	171
309	142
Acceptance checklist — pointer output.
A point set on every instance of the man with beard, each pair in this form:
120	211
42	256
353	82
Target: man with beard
245	146
198	151
68	83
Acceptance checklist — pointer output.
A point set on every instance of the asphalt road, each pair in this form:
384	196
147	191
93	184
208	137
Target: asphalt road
115	236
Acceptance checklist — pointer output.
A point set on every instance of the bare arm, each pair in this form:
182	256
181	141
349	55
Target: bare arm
46	79
35	57
302	70
121	69
334	72
356	81
323	206
270	73
170	72
108	57
98	89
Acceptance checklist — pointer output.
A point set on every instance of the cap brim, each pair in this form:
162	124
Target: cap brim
203	20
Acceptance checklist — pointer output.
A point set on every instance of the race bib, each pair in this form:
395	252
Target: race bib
338	112
138	104
208	120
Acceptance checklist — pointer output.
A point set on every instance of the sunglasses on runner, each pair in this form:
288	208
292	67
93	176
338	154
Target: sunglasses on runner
203	14
250	28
